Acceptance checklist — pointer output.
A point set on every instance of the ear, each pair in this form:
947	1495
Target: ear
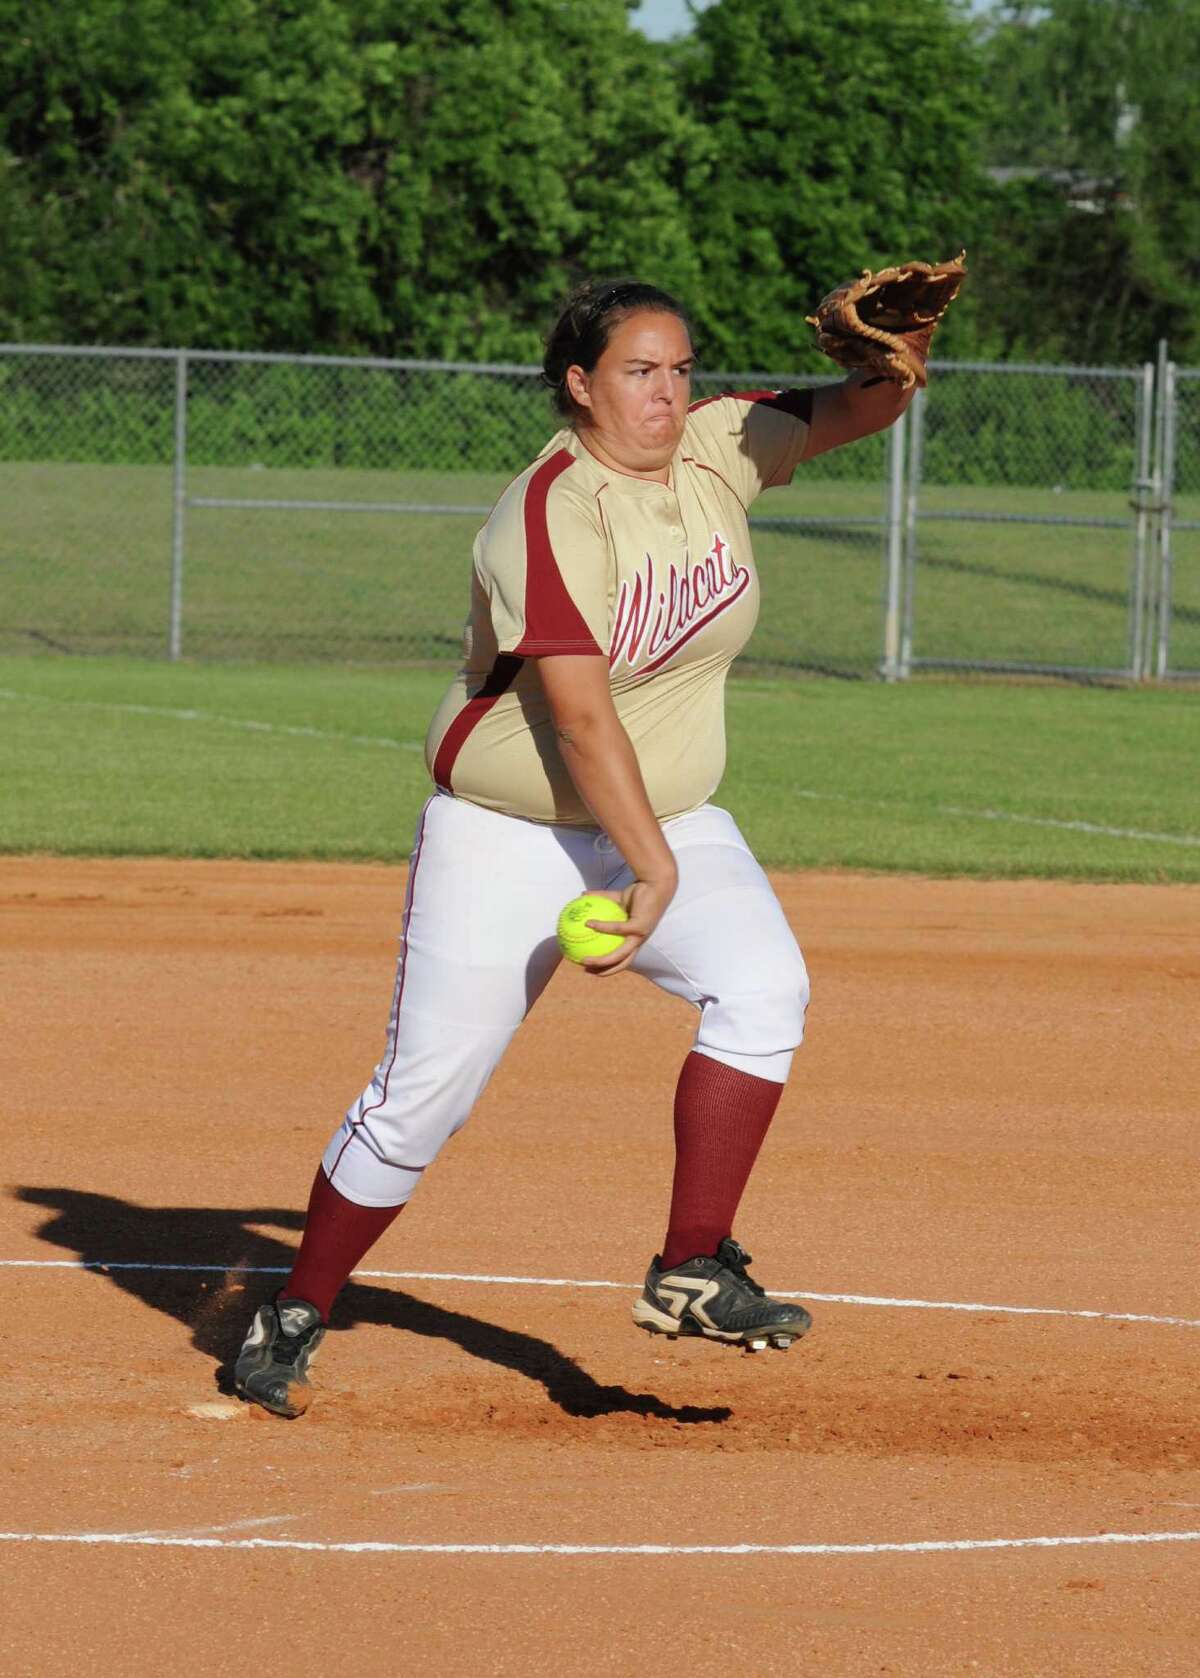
578	384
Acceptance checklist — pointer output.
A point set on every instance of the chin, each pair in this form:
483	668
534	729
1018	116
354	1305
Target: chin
659	448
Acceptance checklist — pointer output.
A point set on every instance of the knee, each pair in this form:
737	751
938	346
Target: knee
784	1001
358	1168
768	1017
801	987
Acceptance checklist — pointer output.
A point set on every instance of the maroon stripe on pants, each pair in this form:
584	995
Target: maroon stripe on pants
403	974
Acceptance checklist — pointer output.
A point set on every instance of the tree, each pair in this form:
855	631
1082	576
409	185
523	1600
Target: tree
541	142
846	134
331	174
1094	252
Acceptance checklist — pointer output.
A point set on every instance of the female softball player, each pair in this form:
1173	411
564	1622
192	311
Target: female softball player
576	751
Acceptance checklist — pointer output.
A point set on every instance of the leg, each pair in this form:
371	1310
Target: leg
721	1119
477	948
725	946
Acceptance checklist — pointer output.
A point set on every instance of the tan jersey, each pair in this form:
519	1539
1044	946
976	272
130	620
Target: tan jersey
657	578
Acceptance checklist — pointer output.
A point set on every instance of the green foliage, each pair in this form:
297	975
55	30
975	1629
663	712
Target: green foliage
1032	430
180	170
92	409
314	174
390	177
269	414
1092	252
334	417
847	134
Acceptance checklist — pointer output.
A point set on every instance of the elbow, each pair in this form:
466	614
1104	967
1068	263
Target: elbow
582	730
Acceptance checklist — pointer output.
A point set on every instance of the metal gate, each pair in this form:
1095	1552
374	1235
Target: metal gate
1029	520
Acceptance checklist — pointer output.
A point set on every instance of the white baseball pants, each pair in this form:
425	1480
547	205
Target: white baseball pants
477	948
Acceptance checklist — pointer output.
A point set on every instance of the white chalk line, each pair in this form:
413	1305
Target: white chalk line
212	717
379	1547
169	1534
625	1287
1073	826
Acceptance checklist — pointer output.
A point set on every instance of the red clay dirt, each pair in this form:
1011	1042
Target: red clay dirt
996	1107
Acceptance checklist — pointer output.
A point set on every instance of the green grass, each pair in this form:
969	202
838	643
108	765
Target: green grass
113	756
85	567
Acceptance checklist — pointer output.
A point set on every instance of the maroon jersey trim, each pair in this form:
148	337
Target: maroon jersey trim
500	678
797	403
553	622
690	460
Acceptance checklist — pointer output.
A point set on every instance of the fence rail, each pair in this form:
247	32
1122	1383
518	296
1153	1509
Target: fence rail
1022	518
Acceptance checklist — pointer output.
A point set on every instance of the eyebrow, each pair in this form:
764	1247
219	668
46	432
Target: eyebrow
649	361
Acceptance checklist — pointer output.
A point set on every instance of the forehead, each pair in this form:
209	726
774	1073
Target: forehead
649	335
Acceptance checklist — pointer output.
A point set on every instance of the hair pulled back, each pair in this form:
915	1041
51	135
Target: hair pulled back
581	334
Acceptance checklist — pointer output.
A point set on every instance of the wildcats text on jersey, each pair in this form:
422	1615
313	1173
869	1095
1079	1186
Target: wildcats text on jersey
653	622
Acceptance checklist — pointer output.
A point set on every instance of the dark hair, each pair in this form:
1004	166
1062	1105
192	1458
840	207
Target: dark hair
580	335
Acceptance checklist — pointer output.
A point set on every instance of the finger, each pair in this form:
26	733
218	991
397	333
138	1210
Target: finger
600	965
630	928
614	957
608	972
621	927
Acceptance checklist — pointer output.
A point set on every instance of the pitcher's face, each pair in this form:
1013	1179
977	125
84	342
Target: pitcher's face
634	402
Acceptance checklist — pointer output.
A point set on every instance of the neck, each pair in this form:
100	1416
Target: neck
606	457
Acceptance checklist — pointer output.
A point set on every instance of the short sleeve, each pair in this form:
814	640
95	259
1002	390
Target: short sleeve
543	563
754	438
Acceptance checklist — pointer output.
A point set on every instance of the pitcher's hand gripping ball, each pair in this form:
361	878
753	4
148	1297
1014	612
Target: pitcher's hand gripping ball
580	942
882	323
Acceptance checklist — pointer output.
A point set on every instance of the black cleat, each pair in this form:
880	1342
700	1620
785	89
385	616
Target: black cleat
272	1366
714	1297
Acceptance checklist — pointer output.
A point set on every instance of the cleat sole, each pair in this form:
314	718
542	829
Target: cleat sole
289	1404
754	1340
649	1315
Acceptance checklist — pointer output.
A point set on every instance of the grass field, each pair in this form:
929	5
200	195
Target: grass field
116	756
85	567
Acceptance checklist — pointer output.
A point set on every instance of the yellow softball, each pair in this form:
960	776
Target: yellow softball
576	939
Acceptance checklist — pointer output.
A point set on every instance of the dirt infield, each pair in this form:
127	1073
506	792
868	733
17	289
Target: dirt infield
996	1109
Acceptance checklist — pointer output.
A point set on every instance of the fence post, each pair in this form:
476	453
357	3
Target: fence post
1166	499
1143	503
916	455
1149	600
893	599
175	633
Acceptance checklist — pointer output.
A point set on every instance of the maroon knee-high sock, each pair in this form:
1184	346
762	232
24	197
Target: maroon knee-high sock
336	1235
721	1117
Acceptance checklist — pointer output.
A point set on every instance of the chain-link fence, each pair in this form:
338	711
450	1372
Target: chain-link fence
1024	545
1180	551
211	505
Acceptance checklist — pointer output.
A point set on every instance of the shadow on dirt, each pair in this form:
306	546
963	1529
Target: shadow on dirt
122	1241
